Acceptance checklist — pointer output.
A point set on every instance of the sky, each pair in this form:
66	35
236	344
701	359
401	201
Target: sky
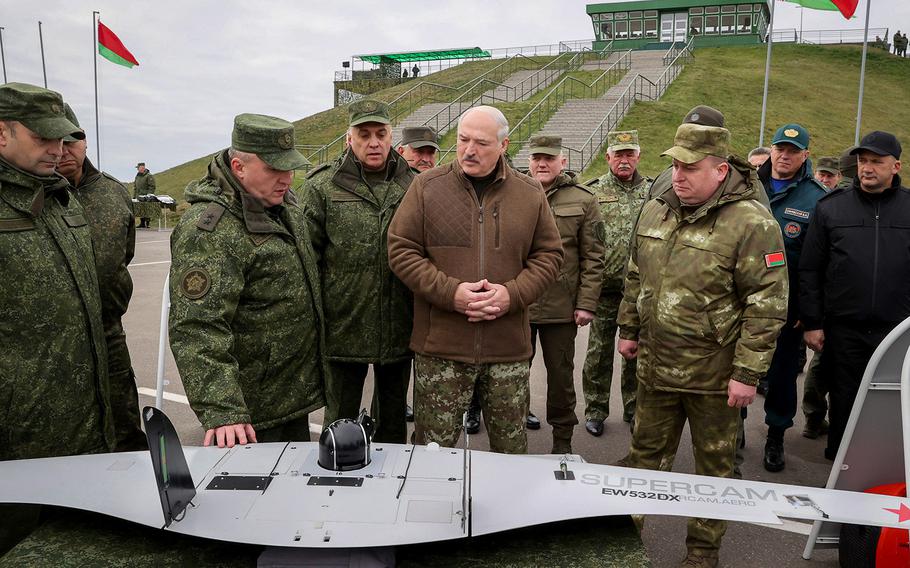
201	62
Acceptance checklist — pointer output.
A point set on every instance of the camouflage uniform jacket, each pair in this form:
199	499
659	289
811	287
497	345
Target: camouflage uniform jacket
368	310
53	373
706	290
246	317
145	183
109	211
578	287
619	203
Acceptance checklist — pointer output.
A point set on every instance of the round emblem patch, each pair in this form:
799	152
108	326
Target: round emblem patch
694	117
195	283
791	133
285	141
792	229
56	109
624	137
368	106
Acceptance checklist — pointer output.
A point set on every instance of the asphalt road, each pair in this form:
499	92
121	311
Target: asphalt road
745	545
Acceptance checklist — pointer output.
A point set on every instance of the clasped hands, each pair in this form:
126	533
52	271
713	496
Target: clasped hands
482	300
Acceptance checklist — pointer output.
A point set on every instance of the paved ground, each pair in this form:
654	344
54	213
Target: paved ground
745	545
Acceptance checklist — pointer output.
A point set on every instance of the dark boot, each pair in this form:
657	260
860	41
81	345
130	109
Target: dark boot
533	422
472	422
774	451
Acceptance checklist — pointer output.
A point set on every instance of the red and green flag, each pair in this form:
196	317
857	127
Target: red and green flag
846	7
111	48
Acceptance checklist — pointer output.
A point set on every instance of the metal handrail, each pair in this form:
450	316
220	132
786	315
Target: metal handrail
578	159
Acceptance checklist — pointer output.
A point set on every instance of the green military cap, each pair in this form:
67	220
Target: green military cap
419	136
140	164
551	145
828	164
368	110
622	140
695	142
71	116
792	134
40	110
705	115
847	165
270	138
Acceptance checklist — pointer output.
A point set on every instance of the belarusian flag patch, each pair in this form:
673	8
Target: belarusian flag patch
774	259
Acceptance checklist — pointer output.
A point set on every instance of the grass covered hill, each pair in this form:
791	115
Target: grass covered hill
816	86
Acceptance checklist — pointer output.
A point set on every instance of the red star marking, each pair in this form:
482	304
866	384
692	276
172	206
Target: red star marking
903	514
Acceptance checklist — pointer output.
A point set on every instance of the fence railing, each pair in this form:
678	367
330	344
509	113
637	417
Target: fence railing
794	35
639	88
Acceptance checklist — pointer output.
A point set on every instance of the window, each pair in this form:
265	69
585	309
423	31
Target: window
622	30
634	15
727	9
744	24
635	29
711	24
757	7
696	25
606	30
650	13
620	15
726	24
650	28
696	11
606	16
595	17
744	8
712	10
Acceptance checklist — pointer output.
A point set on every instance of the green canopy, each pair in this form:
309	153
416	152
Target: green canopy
437	55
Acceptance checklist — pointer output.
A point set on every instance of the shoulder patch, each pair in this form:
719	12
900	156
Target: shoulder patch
317	169
210	217
195	283
775	259
592	182
260	238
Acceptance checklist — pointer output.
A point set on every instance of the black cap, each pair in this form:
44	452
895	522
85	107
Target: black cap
881	143
705	116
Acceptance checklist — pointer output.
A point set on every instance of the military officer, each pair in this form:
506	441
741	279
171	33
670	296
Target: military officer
419	146
620	194
109	211
349	205
827	172
144	184
53	372
793	192
704	298
572	300
246	312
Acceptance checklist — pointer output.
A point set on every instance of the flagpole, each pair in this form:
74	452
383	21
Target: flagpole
95	60
862	77
764	98
41	41
2	56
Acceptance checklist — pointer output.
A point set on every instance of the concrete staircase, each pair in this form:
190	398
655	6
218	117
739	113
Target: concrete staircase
577	118
420	116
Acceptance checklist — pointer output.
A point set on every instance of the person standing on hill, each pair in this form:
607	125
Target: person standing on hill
144	185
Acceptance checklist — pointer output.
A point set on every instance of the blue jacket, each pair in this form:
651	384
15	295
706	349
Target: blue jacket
793	209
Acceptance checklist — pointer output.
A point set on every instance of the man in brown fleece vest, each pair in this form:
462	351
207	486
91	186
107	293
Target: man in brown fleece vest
476	243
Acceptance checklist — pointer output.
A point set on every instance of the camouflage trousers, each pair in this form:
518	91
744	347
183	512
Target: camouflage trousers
597	374
659	420
344	389
557	343
443	389
815	391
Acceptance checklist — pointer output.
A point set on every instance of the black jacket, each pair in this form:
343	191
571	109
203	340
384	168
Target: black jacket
855	265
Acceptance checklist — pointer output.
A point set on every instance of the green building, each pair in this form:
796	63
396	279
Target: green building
655	24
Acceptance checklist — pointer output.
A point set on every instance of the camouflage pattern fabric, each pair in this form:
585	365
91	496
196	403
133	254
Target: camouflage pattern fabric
144	183
368	310
664	181
109	211
247	344
147	210
815	389
54	397
619	204
597	374
443	389
706	290
659	422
